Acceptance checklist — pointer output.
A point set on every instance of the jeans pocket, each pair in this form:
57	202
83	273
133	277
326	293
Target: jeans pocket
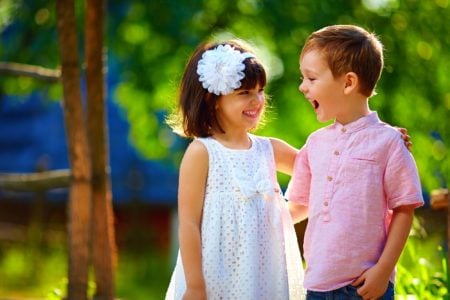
389	294
352	293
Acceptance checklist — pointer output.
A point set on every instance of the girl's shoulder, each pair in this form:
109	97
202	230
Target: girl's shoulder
203	142
196	150
195	162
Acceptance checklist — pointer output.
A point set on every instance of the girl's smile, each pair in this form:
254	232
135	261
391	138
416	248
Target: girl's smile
254	114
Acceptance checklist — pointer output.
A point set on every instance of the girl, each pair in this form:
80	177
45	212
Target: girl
236	235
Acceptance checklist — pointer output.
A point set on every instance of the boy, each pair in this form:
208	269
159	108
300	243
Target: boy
354	180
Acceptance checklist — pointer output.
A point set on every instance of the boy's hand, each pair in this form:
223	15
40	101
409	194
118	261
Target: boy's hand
372	283
405	137
298	212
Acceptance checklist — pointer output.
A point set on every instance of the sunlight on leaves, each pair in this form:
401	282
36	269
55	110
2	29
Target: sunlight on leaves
424	50
8	8
380	5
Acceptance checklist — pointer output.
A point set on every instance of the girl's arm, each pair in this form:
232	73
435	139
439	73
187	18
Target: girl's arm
191	191
284	155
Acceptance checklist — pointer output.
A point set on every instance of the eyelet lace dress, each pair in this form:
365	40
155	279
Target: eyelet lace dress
249	246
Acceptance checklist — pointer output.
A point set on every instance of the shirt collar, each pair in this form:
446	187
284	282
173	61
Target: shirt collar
359	124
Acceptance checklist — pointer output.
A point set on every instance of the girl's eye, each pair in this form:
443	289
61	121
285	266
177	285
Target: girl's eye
244	92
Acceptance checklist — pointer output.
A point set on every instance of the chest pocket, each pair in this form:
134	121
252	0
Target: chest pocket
364	156
363	173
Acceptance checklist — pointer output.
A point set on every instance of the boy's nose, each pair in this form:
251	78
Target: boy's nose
301	87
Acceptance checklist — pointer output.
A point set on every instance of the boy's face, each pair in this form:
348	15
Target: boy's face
320	88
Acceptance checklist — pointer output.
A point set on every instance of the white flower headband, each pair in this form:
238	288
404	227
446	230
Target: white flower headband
221	69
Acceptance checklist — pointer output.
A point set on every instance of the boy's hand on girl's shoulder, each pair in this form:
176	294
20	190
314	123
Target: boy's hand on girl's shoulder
373	283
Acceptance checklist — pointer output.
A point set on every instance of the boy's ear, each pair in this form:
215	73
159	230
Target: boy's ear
351	82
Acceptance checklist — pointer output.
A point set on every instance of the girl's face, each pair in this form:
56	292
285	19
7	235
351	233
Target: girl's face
319	86
241	110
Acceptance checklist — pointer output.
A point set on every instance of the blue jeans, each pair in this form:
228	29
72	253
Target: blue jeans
346	293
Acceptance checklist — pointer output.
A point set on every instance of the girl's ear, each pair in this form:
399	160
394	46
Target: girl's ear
351	82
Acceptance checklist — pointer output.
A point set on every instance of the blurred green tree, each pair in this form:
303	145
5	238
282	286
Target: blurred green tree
150	41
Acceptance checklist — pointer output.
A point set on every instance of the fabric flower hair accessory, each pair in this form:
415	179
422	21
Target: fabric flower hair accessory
221	69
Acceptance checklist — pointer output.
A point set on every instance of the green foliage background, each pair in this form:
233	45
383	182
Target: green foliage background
150	41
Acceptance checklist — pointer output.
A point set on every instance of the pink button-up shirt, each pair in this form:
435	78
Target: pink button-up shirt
350	177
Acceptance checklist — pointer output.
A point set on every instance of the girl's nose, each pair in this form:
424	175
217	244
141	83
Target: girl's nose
259	97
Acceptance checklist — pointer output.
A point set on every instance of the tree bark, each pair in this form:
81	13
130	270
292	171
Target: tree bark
80	189
104	249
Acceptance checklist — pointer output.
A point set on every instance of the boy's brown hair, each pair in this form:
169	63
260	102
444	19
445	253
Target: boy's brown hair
349	48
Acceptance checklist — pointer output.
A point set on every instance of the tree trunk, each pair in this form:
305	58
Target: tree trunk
104	249
80	189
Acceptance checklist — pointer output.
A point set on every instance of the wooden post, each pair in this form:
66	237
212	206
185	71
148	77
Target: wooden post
103	239
80	189
440	200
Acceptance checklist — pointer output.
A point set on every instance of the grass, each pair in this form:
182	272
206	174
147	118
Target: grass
146	278
143	272
29	272
422	269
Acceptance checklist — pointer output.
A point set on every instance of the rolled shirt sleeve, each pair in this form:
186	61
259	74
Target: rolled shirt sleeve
299	186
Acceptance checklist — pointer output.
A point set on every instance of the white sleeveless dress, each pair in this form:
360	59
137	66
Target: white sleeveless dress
249	246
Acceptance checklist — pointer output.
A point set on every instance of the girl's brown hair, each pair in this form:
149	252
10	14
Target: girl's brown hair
196	114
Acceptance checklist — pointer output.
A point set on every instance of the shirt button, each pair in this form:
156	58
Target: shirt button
325	203
336	152
329	178
343	130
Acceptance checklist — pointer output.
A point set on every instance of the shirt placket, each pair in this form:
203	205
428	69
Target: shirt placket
332	172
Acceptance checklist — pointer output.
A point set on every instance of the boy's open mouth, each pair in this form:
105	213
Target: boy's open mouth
315	104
